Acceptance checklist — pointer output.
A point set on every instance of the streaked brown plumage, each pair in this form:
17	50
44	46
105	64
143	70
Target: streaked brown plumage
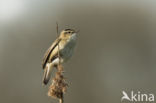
66	42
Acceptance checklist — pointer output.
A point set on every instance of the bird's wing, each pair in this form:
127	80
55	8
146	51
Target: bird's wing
48	52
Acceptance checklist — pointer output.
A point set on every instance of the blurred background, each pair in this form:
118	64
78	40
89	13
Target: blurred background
116	48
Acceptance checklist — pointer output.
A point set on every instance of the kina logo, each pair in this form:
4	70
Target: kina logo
137	97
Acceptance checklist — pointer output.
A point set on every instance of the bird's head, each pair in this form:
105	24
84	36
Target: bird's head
68	33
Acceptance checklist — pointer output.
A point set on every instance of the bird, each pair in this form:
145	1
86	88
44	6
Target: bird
60	51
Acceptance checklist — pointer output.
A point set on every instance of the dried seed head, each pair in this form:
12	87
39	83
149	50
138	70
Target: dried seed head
58	86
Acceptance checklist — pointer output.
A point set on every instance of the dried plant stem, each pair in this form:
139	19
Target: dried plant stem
59	85
61	100
58	43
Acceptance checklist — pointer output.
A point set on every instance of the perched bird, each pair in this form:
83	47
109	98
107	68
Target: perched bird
64	45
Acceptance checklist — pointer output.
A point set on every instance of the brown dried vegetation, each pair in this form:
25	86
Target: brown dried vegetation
59	85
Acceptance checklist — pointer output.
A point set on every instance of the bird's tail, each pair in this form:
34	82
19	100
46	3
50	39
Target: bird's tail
47	73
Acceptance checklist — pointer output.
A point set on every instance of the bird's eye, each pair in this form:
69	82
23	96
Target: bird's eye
69	32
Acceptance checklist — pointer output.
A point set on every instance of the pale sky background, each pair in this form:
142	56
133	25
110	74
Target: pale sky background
116	48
